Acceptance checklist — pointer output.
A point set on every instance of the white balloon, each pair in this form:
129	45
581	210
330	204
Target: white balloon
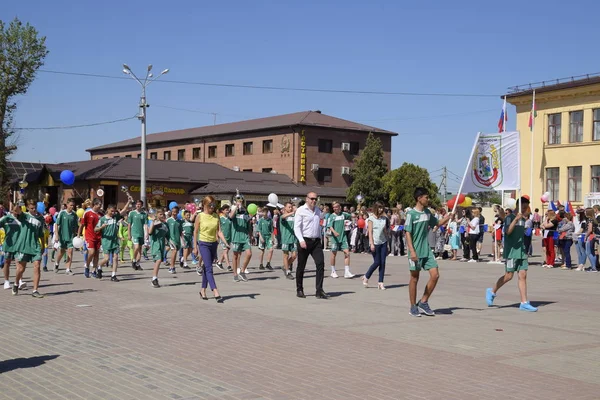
511	203
273	199
547	194
77	242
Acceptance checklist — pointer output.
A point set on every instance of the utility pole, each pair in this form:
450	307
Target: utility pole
444	184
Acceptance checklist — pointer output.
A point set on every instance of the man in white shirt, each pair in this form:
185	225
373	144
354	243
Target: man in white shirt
307	229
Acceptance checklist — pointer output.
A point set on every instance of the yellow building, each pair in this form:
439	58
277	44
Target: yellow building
566	139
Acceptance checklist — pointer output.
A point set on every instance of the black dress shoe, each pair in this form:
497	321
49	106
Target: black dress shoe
300	293
321	295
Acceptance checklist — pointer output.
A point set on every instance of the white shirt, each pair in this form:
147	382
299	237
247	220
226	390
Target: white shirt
307	223
474	225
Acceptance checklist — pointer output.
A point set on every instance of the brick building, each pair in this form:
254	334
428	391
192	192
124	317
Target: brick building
310	147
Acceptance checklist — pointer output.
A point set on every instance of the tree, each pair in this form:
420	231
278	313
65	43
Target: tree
22	53
486	198
368	170
400	184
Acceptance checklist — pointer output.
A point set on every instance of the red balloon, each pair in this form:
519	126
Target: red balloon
52	211
461	198
48	219
451	203
360	223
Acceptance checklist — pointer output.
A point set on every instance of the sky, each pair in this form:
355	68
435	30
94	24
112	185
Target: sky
465	47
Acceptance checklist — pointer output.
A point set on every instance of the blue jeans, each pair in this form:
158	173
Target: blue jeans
208	252
589	250
379	257
567	250
581	256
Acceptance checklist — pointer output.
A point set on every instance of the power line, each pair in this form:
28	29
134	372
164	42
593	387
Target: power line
49	128
428	117
281	88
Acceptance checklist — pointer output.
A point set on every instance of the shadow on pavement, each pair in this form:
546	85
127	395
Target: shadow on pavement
338	294
263	278
20	363
68	292
56	284
396	286
450	310
533	303
182	284
237	296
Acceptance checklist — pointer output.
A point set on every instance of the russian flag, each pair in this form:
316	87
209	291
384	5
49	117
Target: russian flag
503	118
553	206
569	208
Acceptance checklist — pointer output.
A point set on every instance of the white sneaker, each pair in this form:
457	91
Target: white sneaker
472	261
349	275
334	274
239	271
22	285
7	285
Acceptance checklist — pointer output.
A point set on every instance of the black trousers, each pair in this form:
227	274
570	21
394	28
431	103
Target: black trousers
314	248
473	246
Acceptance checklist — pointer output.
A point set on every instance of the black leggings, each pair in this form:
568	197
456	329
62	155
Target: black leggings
473	246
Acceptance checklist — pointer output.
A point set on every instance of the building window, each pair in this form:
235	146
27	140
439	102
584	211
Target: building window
181	155
247	148
552	181
212	151
128	156
154	155
554	128
595	187
247	170
574	183
167	155
267	146
354	148
229	150
596	133
267	169
139	155
324	175
196	153
325	145
575	126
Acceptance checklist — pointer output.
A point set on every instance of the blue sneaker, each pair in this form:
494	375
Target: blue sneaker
86	272
94	275
425	309
414	311
489	297
527	307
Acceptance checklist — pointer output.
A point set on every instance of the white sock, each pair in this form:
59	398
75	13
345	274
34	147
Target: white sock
154	278
6	281
185	264
99	268
332	269
68	269
347	268
114	274
21	282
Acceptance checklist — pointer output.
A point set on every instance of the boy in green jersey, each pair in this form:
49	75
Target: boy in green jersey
12	229
226	229
265	238
109	226
159	233
187	227
289	243
419	221
240	226
30	246
175	233
65	229
335	225
515	254
138	232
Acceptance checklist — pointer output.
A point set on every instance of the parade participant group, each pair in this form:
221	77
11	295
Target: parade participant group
223	236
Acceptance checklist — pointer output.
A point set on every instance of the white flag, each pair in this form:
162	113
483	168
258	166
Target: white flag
494	163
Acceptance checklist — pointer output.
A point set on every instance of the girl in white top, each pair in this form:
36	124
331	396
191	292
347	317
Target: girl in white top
474	235
378	229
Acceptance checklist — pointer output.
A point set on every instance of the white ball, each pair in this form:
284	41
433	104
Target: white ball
273	199
77	243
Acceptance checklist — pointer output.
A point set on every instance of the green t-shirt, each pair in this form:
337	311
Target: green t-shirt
240	225
338	222
188	228
137	220
68	223
157	238
418	224
226	227
11	229
32	230
265	227
175	229
514	247
110	240
287	230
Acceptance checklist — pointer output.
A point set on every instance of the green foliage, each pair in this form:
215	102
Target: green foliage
22	53
400	183
486	198
368	170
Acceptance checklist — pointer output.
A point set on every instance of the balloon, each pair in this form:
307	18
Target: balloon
151	212
273	199
252	208
54	217
172	205
547	194
451	203
48	219
41	207
23	208
511	203
77	242
67	177
468	202
52	211
544	198
191	207
180	215
461	198
80	213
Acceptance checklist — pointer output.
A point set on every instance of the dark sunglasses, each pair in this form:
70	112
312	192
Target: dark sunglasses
312	198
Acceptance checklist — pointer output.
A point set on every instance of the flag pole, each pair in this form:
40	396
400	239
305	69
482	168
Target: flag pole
504	131
532	143
462	182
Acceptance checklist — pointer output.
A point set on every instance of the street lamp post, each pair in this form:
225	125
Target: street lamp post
142	117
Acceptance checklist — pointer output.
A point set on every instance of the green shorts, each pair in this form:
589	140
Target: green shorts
10	255
426	264
240	247
156	256
188	242
338	245
289	247
137	240
175	245
20	257
514	265
64	244
268	244
114	250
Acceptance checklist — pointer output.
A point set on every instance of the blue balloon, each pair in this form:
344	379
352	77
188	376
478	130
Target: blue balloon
41	207
461	229
54	217
528	231
67	177
172	205
556	235
486	227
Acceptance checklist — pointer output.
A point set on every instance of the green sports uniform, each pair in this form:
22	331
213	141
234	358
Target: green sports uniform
288	238
137	220
226	229
175	231
27	247
188	234
12	228
157	241
338	223
110	234
418	224
67	223
240	224
514	247
265	228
